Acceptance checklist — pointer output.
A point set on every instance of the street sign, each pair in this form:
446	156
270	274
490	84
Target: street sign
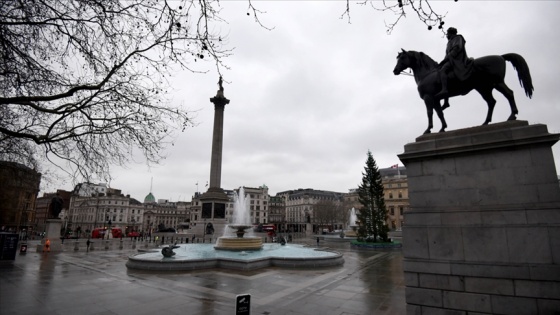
243	304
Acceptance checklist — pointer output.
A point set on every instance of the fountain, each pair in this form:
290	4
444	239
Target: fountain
235	250
352	224
241	223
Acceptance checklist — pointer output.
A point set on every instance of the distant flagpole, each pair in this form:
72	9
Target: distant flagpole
397	167
197	187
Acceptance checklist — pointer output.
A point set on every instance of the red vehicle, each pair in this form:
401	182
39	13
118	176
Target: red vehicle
101	233
133	234
270	229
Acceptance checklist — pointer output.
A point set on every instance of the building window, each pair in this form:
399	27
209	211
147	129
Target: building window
401	209
392	209
390	195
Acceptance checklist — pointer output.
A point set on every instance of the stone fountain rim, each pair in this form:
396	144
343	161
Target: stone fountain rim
174	264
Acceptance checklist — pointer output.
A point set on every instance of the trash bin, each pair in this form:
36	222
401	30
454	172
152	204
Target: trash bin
23	248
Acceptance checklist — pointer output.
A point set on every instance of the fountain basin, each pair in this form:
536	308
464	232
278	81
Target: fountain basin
204	256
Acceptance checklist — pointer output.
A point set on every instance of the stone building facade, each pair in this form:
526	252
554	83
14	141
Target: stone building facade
20	187
101	207
395	187
299	207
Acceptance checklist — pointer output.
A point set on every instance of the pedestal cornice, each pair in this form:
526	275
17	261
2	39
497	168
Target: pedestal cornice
214	194
490	137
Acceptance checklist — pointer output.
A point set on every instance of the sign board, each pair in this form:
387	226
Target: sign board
243	304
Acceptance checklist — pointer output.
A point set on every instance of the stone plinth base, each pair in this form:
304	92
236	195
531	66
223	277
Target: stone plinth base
52	234
483	230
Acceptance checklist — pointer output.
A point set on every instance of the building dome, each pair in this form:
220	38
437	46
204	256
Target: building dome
150	198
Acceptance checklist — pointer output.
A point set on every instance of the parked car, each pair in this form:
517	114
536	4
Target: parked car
133	234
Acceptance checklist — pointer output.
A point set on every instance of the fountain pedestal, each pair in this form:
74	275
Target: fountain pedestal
239	243
351	232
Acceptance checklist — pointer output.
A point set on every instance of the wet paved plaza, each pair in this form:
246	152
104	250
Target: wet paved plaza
97	282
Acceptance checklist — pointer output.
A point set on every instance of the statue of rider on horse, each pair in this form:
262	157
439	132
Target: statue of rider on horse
458	74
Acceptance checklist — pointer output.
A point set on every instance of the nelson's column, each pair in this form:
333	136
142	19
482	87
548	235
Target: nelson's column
214	200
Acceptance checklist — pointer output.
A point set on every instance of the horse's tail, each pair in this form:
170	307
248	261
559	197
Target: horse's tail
523	73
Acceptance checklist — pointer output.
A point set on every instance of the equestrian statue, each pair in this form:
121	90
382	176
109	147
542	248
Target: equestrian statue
458	74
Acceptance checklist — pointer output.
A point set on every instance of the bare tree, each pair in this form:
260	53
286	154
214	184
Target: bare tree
329	212
84	81
421	8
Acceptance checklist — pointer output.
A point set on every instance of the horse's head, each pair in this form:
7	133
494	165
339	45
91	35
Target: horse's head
416	60
403	62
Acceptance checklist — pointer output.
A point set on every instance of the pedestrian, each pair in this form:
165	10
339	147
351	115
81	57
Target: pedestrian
317	241
47	246
87	245
193	237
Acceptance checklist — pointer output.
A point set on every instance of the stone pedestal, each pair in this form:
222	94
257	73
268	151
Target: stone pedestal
53	234
483	230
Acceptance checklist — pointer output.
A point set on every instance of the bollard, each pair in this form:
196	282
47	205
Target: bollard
106	245
76	246
121	244
134	244
146	244
91	247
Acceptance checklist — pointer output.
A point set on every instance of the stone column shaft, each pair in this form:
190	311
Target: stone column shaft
219	102
217	144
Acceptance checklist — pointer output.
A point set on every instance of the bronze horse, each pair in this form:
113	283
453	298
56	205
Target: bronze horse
488	74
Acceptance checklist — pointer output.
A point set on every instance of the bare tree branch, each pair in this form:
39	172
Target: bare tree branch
423	9
84	81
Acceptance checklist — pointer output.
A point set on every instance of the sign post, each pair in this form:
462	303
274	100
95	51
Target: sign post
243	304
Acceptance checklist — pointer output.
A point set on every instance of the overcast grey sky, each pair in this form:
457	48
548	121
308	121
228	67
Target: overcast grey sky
311	97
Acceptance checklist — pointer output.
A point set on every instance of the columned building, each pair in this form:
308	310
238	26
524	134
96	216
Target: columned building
277	212
162	214
101	207
258	204
395	187
300	205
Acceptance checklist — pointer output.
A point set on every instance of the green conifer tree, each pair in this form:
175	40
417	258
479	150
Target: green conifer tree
373	213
